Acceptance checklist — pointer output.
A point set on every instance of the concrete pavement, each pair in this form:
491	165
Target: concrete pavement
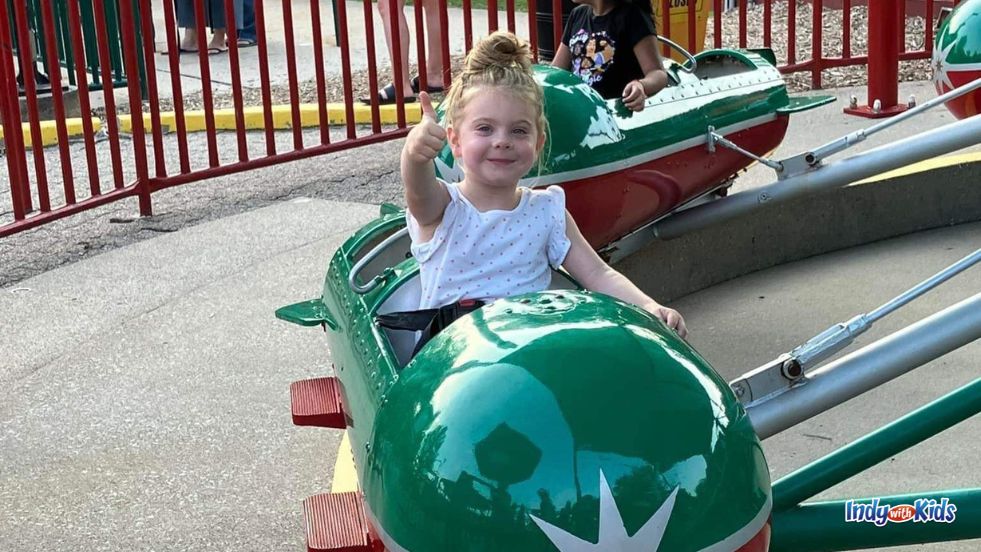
145	401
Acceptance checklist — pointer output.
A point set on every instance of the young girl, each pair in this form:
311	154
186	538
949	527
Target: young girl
612	46
486	238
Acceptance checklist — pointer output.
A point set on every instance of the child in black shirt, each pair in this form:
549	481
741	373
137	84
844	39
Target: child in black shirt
612	45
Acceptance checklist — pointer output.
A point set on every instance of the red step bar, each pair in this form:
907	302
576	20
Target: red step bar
317	402
335	522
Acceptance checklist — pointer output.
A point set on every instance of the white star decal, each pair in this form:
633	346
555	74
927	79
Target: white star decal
612	533
941	80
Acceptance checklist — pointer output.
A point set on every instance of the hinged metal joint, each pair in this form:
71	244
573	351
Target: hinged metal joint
716	138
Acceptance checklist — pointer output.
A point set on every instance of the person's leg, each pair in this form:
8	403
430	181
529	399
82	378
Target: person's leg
384	9
218	39
434	44
247	31
190	40
185	20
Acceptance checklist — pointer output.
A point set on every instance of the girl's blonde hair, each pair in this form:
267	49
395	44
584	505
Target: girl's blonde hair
500	60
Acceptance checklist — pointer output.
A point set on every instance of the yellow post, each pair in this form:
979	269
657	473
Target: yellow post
678	20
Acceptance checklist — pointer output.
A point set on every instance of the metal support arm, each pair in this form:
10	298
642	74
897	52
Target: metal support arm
850	140
716	138
780	374
912	149
869	367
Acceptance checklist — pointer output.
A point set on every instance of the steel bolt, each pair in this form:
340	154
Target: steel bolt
792	369
853	101
764	197
739	389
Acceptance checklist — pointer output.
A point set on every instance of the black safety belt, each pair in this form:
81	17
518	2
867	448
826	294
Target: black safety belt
429	321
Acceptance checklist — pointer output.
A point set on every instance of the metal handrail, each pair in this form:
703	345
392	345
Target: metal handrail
370	256
677	47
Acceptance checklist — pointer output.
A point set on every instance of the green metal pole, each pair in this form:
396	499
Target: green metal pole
877	446
138	33
89	36
115	38
821	526
65	53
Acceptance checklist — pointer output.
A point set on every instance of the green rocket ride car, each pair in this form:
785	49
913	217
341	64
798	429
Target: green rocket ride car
560	420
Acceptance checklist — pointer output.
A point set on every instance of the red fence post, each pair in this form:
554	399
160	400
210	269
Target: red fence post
20	191
885	32
128	26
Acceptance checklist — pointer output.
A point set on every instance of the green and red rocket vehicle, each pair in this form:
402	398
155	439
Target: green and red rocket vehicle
562	420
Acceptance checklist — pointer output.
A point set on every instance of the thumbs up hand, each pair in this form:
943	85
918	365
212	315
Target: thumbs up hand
426	139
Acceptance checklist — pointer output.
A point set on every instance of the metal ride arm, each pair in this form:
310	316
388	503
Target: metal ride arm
807	160
810	160
926	145
780	374
839	336
716	138
788	372
868	368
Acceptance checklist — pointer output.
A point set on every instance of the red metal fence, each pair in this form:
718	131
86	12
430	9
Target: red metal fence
107	165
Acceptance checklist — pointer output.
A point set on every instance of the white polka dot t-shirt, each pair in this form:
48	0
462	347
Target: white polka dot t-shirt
494	254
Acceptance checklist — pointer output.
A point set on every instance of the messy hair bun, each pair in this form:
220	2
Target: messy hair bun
498	52
500	60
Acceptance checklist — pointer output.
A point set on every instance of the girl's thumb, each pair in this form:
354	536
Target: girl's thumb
427	106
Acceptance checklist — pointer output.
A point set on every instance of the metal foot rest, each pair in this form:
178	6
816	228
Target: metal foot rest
335	522
317	402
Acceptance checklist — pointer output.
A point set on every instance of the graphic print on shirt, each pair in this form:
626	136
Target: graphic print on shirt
592	55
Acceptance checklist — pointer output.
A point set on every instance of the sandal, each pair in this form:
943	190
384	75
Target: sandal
414	83
188	51
386	96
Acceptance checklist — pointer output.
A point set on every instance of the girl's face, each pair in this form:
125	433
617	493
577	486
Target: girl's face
597	5
496	138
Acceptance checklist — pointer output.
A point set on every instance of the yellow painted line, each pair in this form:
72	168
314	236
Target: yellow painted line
345	474
928	165
282	117
49	130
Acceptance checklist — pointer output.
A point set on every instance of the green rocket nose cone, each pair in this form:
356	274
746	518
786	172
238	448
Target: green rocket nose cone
563	421
957	57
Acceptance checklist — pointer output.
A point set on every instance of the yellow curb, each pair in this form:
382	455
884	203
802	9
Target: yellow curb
927	165
345	474
282	117
49	130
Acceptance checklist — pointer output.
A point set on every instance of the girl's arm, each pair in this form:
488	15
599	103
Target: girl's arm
425	196
591	271
654	78
563	58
